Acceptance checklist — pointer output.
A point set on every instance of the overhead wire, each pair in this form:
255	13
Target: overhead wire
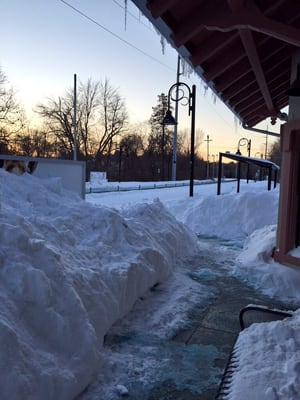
84	15
115	35
148	26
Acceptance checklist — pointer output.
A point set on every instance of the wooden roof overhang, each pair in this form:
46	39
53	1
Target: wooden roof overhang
241	48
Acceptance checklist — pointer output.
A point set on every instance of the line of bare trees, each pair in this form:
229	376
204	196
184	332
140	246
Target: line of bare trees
105	139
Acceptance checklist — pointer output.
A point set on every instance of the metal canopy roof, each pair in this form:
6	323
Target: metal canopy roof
241	48
251	160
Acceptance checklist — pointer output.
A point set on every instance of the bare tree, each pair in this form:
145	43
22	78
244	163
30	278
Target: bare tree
101	116
58	119
184	141
113	118
88	105
11	114
275	153
34	143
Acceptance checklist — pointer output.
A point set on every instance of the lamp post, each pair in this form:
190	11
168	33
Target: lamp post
181	88
120	161
242	142
207	168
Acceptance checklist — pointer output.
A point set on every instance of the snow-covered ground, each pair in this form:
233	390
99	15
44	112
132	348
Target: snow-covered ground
71	268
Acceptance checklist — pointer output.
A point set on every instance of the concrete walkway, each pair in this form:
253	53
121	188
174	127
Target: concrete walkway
214	325
189	365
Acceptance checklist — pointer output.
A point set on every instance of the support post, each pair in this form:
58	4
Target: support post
193	109
238	176
75	119
174	152
219	174
270	178
289	204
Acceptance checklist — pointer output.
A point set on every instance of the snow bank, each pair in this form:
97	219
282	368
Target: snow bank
256	264
267	361
230	216
68	271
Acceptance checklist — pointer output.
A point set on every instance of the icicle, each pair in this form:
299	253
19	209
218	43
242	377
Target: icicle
191	70
187	70
163	44
126	9
236	123
201	85
184	66
162	40
214	97
205	90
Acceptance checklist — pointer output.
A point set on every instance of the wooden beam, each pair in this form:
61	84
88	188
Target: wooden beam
253	57
231	57
158	7
246	103
250	48
226	20
208	49
259	110
240	70
255	21
246	83
273	56
192	24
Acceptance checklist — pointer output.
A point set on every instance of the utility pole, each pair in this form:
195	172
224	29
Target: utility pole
266	146
174	153
75	119
207	140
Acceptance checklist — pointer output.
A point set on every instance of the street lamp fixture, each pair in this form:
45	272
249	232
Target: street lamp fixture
189	97
243	142
169	119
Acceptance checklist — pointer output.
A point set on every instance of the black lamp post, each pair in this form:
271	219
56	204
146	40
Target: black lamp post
242	142
190	97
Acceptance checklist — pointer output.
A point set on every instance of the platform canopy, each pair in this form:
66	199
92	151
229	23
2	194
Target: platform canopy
242	49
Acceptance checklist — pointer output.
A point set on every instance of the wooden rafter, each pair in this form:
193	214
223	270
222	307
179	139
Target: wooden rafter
254	21
209	49
246	36
242	48
158	8
198	15
251	51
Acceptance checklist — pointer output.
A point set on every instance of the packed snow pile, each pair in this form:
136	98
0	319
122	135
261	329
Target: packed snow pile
231	216
68	271
267	361
256	264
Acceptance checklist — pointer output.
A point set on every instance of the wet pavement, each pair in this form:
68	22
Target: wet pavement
189	365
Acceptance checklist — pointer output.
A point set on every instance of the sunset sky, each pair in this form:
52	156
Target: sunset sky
45	42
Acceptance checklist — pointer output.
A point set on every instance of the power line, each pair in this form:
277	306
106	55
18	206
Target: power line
115	35
213	107
150	27
132	45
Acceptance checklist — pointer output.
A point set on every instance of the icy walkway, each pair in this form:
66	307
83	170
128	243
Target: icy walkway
149	362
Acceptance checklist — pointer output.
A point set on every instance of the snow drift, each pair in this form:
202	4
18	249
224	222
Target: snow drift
267	361
231	216
68	271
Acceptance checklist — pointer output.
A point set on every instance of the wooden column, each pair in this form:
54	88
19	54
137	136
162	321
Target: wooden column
289	205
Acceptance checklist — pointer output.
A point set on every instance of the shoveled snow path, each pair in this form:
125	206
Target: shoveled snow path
156	351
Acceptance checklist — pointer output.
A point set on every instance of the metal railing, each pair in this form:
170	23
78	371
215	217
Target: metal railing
152	185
